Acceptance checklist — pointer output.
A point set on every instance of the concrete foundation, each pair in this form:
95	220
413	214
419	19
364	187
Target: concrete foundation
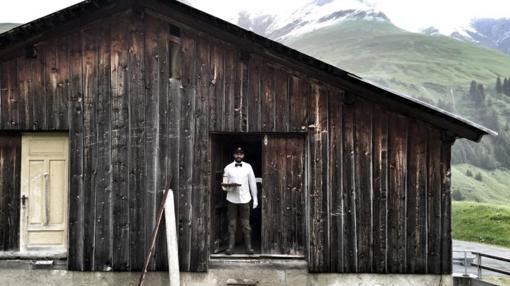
255	276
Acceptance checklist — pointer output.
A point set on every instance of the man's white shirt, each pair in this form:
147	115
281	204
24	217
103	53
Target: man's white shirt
244	176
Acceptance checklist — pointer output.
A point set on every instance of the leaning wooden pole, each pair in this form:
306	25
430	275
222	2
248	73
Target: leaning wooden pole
171	240
153	237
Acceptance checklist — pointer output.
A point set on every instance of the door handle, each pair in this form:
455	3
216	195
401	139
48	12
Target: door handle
23	200
46	198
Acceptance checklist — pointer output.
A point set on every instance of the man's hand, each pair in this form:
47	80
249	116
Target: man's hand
255	204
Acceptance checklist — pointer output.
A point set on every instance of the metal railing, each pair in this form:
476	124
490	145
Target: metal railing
474	259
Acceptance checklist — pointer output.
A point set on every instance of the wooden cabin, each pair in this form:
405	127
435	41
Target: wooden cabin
105	104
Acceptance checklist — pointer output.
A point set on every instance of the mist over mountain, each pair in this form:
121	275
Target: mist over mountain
490	33
493	33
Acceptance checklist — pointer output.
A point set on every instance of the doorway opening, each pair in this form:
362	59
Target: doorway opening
278	223
222	149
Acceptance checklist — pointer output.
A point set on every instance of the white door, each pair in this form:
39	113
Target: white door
44	192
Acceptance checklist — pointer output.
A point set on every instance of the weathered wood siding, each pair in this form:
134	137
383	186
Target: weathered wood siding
282	199
139	101
10	170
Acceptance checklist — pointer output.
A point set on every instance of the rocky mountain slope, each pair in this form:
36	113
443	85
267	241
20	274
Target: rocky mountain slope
491	33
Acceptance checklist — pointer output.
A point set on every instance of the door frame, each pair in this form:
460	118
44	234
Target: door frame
213	142
43	251
306	138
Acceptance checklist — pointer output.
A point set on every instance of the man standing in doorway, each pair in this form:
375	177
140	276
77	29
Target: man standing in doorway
238	198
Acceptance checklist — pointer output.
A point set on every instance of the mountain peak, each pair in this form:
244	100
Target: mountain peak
314	15
322	2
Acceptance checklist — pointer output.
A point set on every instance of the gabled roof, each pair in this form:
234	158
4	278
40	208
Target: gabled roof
36	29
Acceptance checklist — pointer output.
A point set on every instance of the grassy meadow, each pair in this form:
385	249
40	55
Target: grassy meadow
481	222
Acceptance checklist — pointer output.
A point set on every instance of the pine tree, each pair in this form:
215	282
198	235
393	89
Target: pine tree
506	88
499	86
473	91
481	93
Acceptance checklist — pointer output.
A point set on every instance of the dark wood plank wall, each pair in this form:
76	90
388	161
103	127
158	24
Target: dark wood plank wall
139	102
10	169
388	179
282	201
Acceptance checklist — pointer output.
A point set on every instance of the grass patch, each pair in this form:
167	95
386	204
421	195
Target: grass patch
481	222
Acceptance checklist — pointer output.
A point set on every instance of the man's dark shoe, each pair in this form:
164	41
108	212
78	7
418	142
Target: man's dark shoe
231	243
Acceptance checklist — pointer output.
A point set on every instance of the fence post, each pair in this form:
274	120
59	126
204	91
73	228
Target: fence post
465	264
479	267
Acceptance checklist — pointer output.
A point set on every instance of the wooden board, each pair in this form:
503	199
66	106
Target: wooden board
397	160
363	185
187	126
416	219
219	222
434	214
76	191
380	191
446	205
119	144
200	198
318	192
335	181
10	169
349	258
283	193
103	159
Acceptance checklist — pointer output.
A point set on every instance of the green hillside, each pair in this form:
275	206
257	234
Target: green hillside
439	70
485	223
416	64
480	185
6	26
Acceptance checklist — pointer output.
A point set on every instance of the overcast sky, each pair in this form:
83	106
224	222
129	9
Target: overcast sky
407	14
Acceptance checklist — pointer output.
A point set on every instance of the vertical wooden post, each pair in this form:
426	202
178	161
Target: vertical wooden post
171	240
